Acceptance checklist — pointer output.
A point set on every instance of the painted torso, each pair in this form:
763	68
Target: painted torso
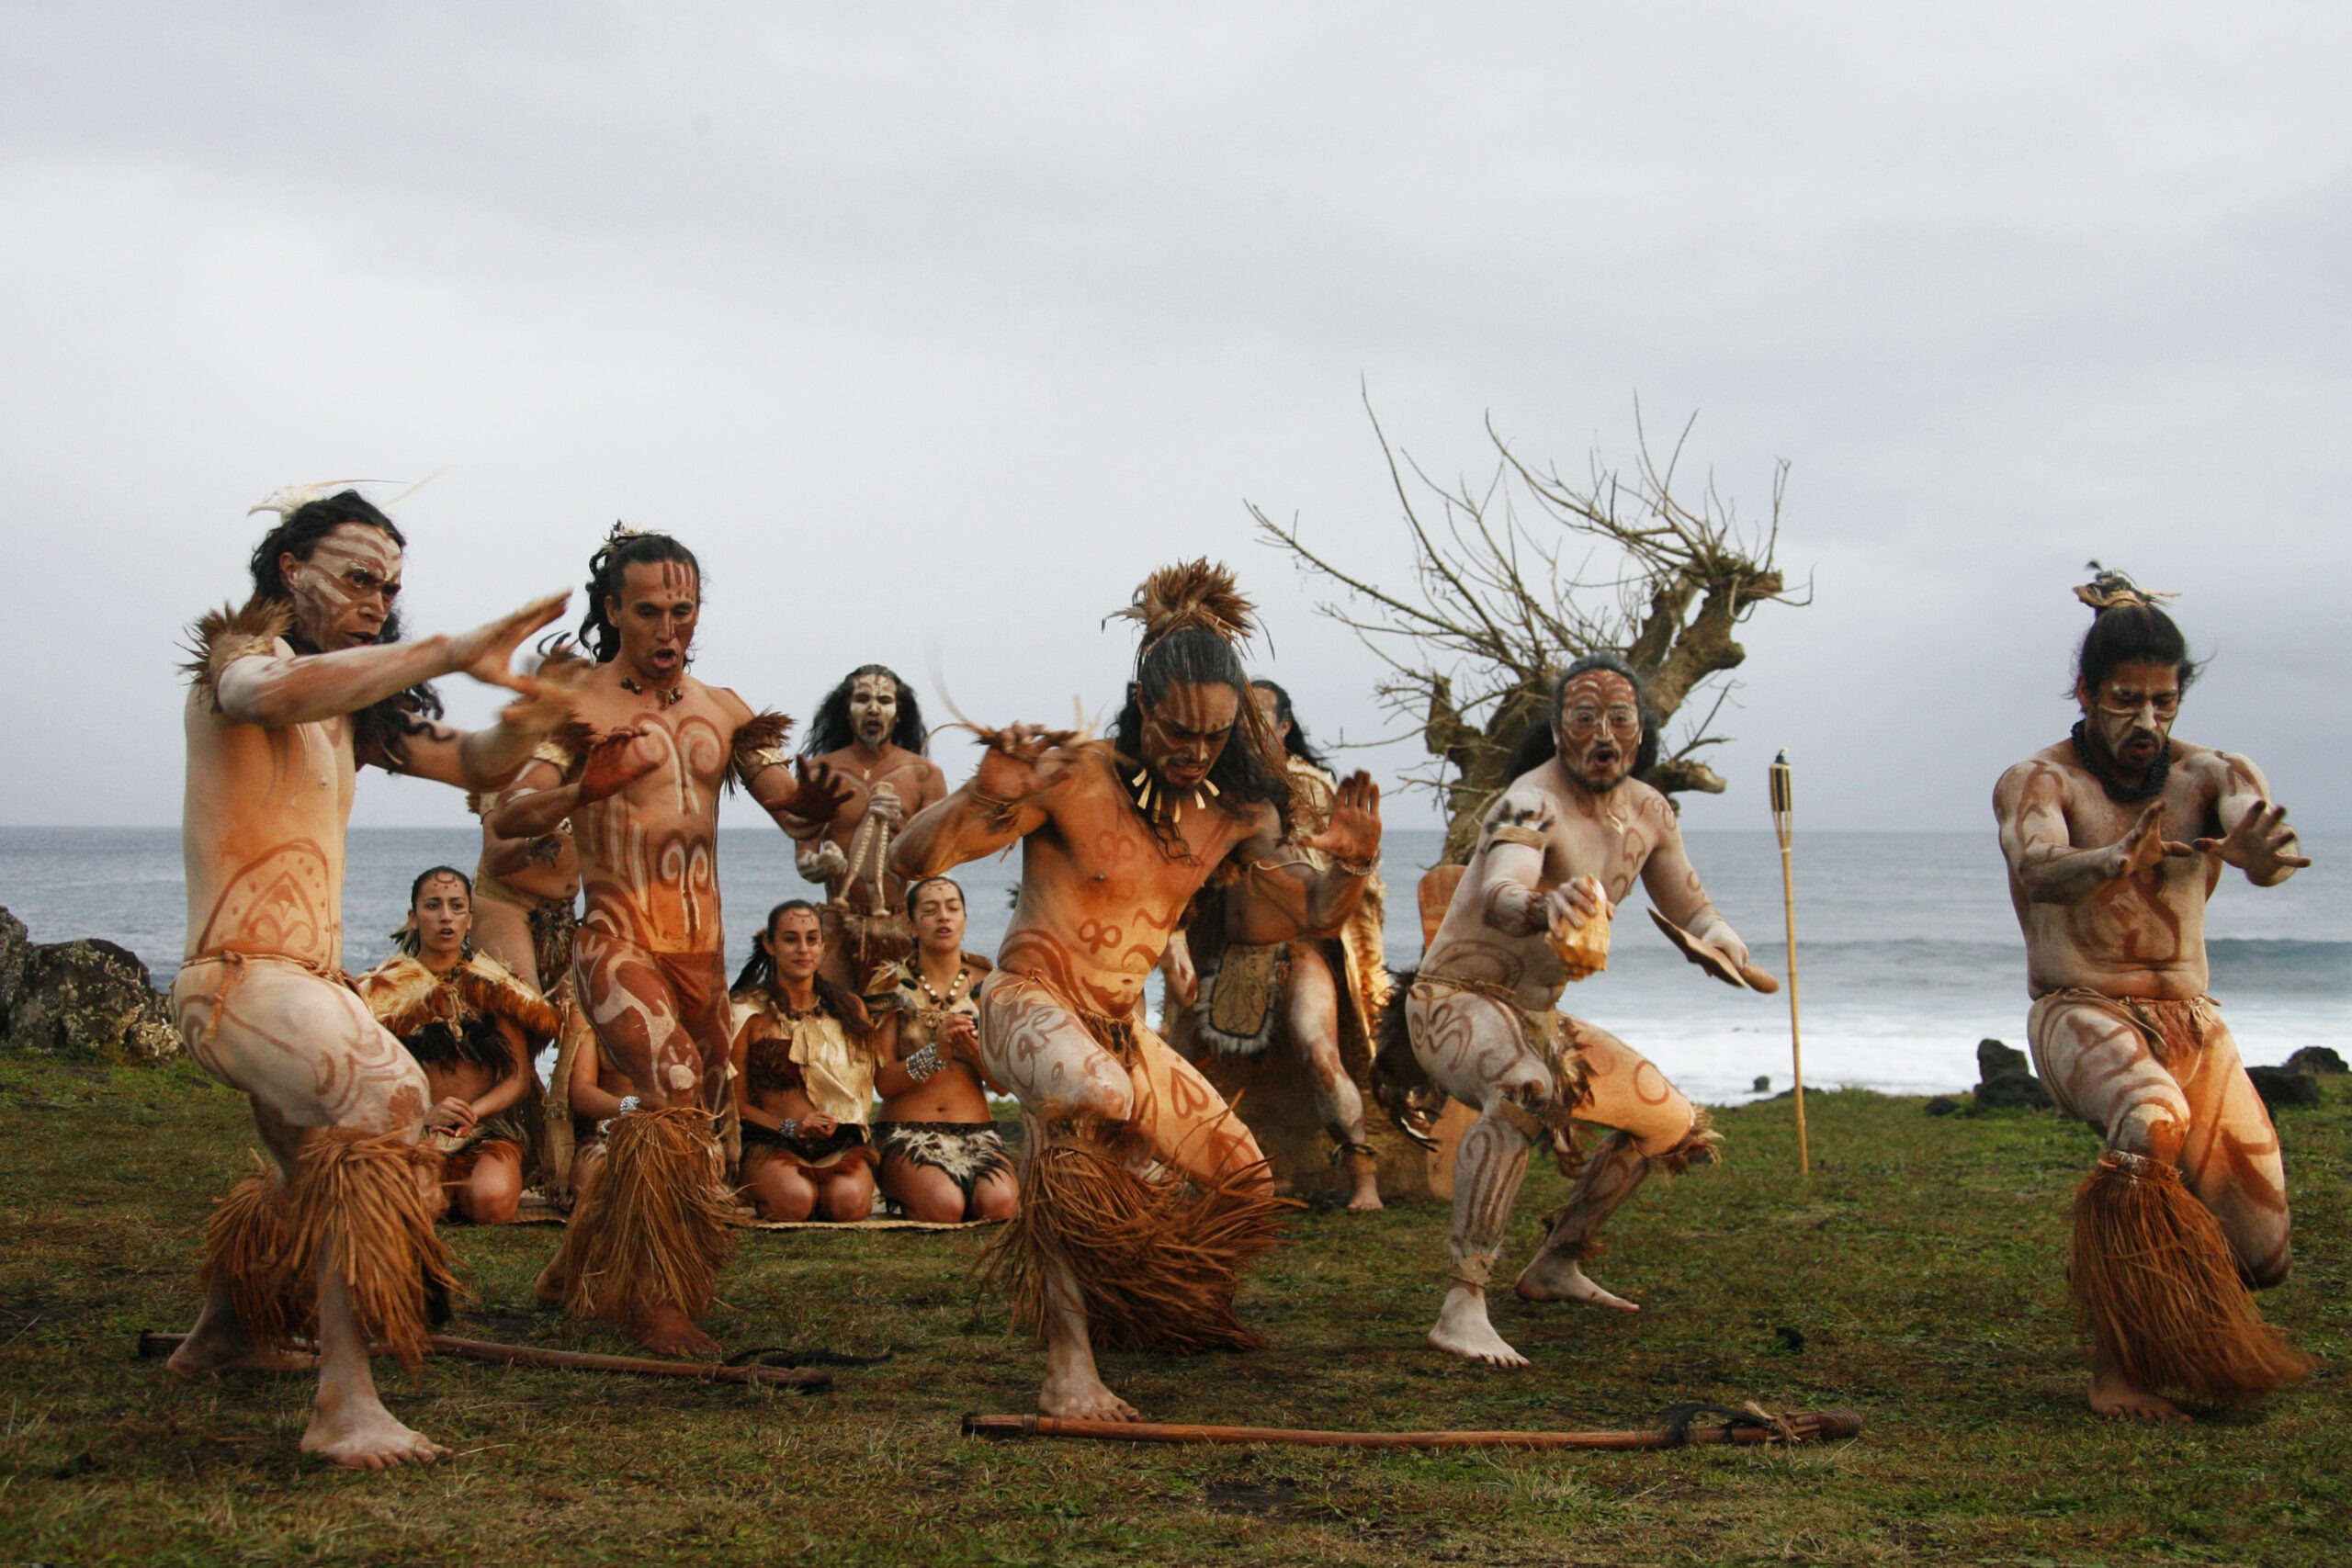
2143	935
917	782
262	833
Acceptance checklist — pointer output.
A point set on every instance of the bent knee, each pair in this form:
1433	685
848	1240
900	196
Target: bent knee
2155	1125
1110	1098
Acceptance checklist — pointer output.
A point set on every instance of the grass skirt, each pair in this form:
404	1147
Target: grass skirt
654	1228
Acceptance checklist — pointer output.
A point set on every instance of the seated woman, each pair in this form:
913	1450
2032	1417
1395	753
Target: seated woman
470	1024
804	1077
942	1159
600	1091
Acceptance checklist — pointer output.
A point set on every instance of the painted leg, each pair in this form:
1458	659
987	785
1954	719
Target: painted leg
1311	1012
1486	1174
1557	1271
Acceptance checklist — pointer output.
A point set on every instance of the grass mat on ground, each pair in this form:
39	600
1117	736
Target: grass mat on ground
1918	1277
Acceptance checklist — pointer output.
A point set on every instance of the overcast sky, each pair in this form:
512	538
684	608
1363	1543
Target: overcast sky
933	328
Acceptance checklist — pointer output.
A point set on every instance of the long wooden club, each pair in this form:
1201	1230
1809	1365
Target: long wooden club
1784	829
1809	1426
151	1344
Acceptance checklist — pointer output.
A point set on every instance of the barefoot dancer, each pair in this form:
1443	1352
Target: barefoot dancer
804	1077
941	1157
1115	840
2190	1197
869	730
1563	844
1238	993
291	694
471	1025
640	787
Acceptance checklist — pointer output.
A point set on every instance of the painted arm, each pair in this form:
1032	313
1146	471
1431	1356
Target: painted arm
800	798
1004	802
540	800
1512	842
277	691
2031	805
484	759
2255	837
1676	892
1290	898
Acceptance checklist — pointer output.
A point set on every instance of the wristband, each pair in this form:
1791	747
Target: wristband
924	1063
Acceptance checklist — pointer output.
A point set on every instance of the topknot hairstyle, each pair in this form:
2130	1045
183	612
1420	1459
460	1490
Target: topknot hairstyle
1192	614
623	547
2127	626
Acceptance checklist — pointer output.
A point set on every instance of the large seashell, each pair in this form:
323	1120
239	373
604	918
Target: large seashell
1583	950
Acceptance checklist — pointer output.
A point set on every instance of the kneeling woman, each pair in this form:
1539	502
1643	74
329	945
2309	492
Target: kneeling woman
470	1025
804	1077
942	1159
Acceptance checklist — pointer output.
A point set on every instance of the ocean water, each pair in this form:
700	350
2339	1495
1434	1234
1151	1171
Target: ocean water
1907	951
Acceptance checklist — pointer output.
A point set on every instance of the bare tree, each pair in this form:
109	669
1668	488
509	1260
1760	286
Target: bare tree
1528	571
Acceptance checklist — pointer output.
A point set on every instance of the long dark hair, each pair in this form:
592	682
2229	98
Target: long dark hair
410	940
1296	742
621	551
1197	656
2131	634
379	732
758	973
831	731
1541	743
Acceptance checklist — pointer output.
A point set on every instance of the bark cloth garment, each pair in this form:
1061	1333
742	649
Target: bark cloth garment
812	1052
1154	1256
2158	1283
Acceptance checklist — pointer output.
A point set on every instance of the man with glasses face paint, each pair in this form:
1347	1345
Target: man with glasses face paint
1561	846
2188	1204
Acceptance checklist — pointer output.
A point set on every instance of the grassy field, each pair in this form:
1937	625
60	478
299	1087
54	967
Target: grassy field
1915	1278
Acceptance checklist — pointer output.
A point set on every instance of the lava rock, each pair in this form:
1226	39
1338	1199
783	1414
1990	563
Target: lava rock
2012	1091
1994	1058
1763	1085
2316	1060
2281	1086
1942	1105
89	1000
14	943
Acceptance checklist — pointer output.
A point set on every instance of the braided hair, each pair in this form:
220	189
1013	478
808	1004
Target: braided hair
379	732
624	548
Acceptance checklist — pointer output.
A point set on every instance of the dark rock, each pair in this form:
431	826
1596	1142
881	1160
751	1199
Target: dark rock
1942	1105
1792	1339
1994	1058
1762	1086
13	946
90	1001
2012	1091
2280	1087
2314	1059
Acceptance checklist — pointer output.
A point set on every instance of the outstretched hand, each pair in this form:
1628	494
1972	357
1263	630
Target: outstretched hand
1355	832
818	792
486	652
2145	844
2261	845
549	696
1023	759
616	761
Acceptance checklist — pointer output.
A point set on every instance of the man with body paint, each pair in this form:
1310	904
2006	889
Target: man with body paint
1561	846
2187	1205
869	731
1115	837
291	695
639	777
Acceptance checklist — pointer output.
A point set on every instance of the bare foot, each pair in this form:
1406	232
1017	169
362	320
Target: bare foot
549	1286
363	1435
1462	1327
2112	1396
666	1331
1556	1277
1366	1197
218	1344
1082	1397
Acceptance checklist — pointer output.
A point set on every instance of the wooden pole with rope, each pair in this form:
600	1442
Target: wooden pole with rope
1783	829
1750	1425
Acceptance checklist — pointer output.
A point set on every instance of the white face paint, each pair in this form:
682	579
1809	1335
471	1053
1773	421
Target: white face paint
345	593
872	709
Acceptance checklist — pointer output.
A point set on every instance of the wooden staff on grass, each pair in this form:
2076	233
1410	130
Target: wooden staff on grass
1783	828
1751	1426
151	1344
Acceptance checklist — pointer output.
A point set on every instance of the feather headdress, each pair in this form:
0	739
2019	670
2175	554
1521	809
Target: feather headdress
2113	590
1190	594
287	500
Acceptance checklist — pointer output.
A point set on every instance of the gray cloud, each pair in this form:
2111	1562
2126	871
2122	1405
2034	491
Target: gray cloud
987	312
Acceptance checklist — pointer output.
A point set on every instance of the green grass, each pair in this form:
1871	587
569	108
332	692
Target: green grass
1922	1265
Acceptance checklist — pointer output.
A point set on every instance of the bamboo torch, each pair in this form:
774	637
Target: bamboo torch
1783	825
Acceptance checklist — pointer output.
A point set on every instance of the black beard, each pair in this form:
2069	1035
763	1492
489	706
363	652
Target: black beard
2152	782
1585	783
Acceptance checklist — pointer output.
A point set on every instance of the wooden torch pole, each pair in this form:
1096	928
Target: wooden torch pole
1783	828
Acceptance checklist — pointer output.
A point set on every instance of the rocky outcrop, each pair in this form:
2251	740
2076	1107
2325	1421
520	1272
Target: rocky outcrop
2006	1080
87	1000
2316	1060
